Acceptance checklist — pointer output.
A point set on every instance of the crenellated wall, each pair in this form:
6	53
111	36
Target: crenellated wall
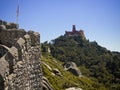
20	59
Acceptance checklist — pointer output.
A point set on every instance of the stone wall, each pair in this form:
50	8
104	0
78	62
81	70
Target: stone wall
20	58
7	25
10	37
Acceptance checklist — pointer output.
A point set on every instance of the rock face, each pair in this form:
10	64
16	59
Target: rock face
20	58
71	66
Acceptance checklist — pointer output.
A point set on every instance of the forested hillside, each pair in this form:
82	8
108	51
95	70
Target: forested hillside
93	60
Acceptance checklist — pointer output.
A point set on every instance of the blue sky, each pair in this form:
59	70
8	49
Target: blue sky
100	19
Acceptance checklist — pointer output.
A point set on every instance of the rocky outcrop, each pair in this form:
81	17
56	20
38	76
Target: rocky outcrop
46	85
20	58
71	66
54	71
50	69
73	88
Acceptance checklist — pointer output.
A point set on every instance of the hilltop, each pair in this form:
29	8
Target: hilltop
93	60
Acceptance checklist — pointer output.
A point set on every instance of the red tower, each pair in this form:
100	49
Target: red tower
74	28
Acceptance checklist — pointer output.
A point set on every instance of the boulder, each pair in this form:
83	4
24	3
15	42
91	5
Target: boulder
72	67
57	72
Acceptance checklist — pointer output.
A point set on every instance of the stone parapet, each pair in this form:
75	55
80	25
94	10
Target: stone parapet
20	58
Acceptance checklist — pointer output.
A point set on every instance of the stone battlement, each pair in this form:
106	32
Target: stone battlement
6	25
20	58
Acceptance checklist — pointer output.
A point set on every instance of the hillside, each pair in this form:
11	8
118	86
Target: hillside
65	79
94	61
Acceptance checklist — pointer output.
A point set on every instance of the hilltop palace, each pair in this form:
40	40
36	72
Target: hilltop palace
74	32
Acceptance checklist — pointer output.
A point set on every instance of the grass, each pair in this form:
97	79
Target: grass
67	79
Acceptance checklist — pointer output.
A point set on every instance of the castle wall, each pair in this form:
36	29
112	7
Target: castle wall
20	63
9	37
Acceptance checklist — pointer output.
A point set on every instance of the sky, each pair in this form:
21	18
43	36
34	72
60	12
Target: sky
100	19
